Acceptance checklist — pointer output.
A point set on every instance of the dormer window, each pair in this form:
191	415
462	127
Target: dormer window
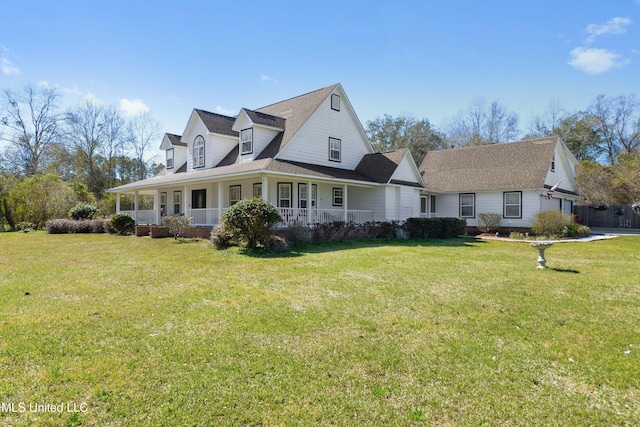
170	158
335	102
198	152
334	149
246	141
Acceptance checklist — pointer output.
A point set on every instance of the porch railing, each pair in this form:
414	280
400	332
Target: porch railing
208	216
320	216
144	216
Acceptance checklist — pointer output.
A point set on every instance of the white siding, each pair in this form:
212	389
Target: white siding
261	138
406	171
311	143
179	158
216	147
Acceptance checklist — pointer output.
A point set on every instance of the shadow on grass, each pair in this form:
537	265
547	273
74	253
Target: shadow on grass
351	244
564	270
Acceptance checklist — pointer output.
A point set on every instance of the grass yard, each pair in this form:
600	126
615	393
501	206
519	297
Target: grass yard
126	331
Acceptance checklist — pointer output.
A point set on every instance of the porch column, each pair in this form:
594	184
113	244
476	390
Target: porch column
265	188
185	198
117	203
135	206
220	201
156	204
309	203
344	203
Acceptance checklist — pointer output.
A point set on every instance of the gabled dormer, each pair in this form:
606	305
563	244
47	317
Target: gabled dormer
209	138
256	131
175	153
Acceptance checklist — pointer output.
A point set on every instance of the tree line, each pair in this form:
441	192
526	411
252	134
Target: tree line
605	137
54	158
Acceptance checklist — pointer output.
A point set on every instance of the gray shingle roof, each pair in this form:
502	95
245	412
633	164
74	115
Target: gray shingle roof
217	123
510	166
259	118
379	167
297	110
175	140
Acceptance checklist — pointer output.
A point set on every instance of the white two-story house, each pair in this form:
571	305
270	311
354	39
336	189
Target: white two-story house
309	156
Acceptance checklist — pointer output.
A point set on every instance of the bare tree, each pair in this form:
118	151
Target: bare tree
482	124
142	131
31	121
85	135
114	134
617	122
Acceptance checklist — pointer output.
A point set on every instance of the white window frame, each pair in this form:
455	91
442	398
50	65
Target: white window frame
285	195
465	204
335	102
510	204
553	162
170	158
338	196
235	194
163	203
177	202
198	152
335	149
257	190
246	141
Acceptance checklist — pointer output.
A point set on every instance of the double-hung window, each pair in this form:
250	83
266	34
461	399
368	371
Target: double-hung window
334	149
303	196
170	158
257	190
468	205
198	152
234	194
284	194
513	204
338	197
246	141
177	202
335	102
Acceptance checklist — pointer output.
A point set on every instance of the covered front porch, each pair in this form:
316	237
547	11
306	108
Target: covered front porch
299	202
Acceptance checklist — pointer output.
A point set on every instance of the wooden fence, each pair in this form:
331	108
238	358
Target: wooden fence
608	217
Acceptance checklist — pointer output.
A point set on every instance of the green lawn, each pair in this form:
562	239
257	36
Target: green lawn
135	331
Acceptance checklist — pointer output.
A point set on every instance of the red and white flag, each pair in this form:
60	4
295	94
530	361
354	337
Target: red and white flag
552	190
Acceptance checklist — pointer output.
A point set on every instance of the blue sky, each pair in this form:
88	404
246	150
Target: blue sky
429	59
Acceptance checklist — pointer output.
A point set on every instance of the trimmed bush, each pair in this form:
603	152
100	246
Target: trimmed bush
276	245
84	211
557	224
177	225
297	234
250	221
64	226
221	237
489	222
438	228
123	224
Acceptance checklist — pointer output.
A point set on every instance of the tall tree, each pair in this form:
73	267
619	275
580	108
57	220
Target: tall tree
392	133
31	120
114	133
482	124
142	131
617	122
86	136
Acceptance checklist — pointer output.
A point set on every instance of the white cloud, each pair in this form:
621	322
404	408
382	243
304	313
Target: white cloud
133	107
9	67
616	25
266	78
221	110
595	61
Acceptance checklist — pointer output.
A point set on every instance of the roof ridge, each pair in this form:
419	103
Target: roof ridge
298	96
200	110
